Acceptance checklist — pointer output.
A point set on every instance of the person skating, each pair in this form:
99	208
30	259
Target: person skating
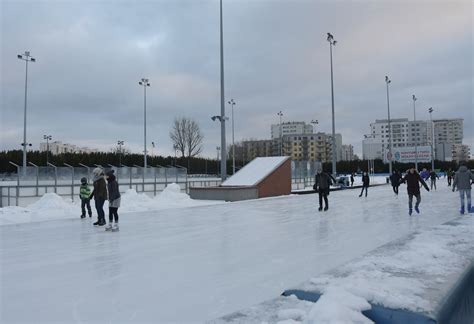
84	194
114	201
322	183
352	179
413	180
395	181
433	177
462	181
450	177
365	184
100	195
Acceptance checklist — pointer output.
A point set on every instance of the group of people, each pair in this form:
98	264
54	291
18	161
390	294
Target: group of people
105	187
462	180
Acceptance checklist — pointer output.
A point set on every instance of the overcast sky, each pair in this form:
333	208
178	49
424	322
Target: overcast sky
84	89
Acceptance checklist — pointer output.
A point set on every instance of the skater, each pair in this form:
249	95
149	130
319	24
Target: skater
462	181
365	184
352	179
322	182
413	180
100	195
84	194
395	181
424	174
114	201
433	177
450	177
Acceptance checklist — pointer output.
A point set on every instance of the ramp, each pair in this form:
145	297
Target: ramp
262	177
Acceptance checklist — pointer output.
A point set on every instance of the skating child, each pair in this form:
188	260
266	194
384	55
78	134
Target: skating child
114	201
84	194
462	181
413	180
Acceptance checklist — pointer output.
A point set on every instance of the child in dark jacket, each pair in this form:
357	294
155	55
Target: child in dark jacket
84	194
114	201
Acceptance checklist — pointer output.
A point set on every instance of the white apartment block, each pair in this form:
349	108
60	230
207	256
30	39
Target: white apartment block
290	128
58	147
347	153
407	133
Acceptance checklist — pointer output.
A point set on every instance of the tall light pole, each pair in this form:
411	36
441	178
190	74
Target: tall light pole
232	103
47	138
218	148
280	114
414	125
175	147
387	82
332	42
223	118
144	82
27	58
120	143
433	143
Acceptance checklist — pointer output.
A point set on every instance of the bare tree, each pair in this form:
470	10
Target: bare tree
187	137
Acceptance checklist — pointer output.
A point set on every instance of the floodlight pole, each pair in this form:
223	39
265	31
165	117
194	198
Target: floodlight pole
332	42
27	58
387	81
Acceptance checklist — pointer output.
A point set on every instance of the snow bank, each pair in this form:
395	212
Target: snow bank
51	206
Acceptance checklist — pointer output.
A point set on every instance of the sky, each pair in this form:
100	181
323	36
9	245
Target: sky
83	88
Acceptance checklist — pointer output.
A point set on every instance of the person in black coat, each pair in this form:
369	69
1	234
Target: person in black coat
114	201
395	181
352	179
365	184
322	183
413	180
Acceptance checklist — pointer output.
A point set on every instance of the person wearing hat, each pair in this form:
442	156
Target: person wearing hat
84	194
100	195
322	183
114	201
462	181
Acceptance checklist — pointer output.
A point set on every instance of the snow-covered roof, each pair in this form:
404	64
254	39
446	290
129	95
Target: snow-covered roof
255	171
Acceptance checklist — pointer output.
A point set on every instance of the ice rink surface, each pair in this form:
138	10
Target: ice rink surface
199	263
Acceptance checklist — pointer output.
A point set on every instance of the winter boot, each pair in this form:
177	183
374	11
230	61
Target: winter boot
108	227
410	211
115	228
462	210
417	210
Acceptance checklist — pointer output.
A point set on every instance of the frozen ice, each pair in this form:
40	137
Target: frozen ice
196	263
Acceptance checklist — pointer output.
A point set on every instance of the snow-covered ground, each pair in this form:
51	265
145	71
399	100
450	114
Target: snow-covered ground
196	263
51	206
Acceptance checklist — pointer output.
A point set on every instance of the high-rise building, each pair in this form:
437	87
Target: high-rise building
58	147
290	128
347	153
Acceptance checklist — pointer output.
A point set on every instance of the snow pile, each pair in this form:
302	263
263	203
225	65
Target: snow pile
51	206
338	305
397	276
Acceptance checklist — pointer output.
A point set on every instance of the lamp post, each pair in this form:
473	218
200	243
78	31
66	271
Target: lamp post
175	147
232	103
152	149
144	82
120	143
218	148
47	138
332	42
27	58
414	125
387	82
280	114
223	118
433	142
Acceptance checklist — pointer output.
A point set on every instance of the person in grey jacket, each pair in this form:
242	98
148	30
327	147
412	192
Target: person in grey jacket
462	180
114	201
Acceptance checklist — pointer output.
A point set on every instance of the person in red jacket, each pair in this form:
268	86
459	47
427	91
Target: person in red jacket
413	180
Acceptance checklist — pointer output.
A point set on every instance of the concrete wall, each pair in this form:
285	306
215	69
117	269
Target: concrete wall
278	183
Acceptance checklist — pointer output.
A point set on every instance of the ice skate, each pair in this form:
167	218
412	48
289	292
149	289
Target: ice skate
115	228
108	227
96	223
470	209
83	216
326	208
417	210
410	211
462	210
320	208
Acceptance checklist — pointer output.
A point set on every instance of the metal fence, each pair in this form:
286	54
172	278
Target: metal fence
34	181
